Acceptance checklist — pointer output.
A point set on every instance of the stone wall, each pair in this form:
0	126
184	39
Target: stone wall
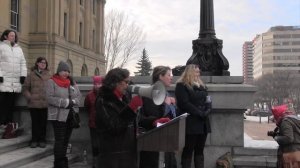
230	99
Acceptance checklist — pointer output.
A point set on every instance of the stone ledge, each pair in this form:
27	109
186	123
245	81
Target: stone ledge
254	161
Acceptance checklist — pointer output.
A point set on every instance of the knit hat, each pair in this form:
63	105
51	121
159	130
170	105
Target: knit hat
278	111
97	80
62	66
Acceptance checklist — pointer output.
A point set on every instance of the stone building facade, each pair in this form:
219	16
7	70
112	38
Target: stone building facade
68	30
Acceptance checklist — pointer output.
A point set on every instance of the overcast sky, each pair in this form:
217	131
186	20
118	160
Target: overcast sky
171	25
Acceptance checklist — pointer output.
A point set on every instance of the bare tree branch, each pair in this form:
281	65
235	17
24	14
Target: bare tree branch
122	39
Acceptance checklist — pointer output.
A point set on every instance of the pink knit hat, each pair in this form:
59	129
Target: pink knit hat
278	111
97	80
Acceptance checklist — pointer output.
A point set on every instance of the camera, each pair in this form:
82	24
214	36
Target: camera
272	133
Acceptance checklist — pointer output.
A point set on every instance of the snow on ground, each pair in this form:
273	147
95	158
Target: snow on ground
249	142
266	144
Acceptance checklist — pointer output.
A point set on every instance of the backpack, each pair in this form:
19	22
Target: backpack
225	161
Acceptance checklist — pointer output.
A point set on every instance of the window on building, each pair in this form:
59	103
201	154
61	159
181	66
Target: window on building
94	40
94	7
65	24
84	70
80	33
97	72
14	14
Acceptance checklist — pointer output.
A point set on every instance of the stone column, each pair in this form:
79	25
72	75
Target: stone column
87	24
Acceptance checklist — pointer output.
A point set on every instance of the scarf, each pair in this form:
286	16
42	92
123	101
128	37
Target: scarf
118	94
62	82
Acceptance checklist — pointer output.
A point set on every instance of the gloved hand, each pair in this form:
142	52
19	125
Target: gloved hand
161	120
71	104
206	112
208	99
136	102
1	79
22	79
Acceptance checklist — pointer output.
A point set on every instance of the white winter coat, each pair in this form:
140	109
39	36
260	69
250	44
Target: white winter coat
12	67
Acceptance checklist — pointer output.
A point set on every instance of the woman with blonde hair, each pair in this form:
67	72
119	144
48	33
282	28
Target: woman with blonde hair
192	98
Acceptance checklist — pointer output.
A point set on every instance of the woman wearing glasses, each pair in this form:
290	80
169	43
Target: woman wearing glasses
115	119
34	91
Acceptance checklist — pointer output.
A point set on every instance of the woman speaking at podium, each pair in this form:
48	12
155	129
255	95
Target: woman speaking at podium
191	96
115	119
153	115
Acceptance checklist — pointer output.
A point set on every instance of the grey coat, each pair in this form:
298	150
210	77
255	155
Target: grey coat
57	98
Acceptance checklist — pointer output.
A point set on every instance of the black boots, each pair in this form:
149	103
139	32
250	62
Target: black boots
186	163
61	163
199	161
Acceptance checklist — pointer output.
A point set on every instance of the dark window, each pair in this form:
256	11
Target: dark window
94	6
94	39
80	33
81	2
14	12
65	24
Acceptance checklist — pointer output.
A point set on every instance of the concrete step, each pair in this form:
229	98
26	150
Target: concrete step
254	151
23	156
7	145
254	161
47	162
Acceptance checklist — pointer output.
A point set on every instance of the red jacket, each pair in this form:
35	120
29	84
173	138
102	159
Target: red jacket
89	104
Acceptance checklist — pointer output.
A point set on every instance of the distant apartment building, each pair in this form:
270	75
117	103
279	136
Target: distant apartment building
277	50
68	30
248	62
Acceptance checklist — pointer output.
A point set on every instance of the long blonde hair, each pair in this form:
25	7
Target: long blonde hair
188	77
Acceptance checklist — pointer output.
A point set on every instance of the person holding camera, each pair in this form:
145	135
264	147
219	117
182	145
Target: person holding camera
192	98
153	115
115	121
287	135
62	95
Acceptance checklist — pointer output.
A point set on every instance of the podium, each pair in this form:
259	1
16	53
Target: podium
169	137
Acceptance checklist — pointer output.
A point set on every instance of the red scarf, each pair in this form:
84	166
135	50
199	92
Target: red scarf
60	81
118	94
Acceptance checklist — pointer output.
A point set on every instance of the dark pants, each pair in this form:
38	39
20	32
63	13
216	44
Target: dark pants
7	101
94	141
193	143
150	159
62	134
38	124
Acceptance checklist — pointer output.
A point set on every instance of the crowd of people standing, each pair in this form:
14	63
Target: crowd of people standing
111	108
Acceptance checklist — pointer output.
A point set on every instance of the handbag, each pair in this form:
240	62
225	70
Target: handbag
74	117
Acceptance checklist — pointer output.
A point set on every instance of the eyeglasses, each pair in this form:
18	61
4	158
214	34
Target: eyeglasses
43	62
126	81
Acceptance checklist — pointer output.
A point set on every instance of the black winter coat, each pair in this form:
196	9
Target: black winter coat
192	101
151	112
115	128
